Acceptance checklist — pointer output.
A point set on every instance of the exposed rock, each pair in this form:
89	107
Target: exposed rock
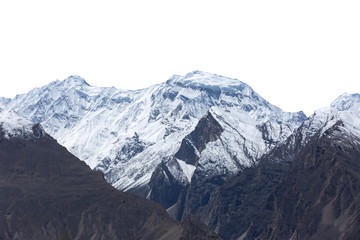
313	195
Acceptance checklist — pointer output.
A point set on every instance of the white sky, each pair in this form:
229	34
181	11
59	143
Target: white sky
299	55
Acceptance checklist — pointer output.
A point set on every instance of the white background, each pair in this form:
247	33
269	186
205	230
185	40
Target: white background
299	55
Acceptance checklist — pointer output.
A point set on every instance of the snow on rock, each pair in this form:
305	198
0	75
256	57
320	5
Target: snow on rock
246	137
187	169
126	134
13	125
343	115
347	102
326	118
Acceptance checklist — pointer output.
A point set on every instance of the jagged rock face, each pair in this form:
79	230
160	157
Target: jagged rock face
221	145
169	179
165	187
306	188
127	134
207	130
47	193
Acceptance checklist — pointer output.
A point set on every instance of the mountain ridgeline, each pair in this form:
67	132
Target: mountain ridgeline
129	134
209	146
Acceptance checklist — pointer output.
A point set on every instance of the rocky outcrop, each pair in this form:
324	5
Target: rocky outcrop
168	181
165	184
207	130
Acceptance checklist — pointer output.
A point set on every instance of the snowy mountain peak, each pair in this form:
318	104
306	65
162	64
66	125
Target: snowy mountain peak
13	125
98	125
74	80
347	102
344	108
223	90
198	79
343	115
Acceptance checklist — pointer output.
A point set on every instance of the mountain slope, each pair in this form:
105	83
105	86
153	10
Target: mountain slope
307	187
127	134
47	193
224	142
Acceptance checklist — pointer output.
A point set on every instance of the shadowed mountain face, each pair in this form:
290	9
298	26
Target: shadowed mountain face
309	191
47	193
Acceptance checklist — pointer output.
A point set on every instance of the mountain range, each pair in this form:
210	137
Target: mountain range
210	146
127	134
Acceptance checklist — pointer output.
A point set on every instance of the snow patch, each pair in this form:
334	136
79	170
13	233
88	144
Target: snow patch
187	169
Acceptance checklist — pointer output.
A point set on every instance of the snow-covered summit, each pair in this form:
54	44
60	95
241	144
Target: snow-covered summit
232	93
204	79
338	123
13	125
72	81
347	102
343	115
126	134
347	120
215	85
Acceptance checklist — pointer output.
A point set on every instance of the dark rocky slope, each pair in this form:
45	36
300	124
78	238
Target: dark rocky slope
47	193
168	189
309	191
